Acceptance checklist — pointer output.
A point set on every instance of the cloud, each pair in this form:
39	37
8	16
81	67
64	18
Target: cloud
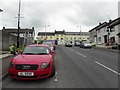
90	13
59	14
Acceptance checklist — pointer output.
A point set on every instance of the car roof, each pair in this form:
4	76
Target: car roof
42	45
47	42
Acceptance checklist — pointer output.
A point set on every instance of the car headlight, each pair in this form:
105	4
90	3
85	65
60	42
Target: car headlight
11	65
45	65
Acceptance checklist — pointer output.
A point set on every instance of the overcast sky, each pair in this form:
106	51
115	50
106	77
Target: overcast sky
59	14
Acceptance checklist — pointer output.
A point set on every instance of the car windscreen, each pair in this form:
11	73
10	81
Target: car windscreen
85	42
36	50
78	42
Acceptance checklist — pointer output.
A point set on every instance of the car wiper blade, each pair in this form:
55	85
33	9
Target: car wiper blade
43	53
29	53
35	53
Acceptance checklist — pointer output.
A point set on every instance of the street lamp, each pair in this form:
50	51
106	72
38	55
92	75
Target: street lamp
80	31
45	31
1	10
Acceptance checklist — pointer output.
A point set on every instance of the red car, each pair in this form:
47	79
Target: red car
35	62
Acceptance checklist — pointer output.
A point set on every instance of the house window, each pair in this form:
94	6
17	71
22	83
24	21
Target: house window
98	31
99	39
112	29
74	38
71	38
61	38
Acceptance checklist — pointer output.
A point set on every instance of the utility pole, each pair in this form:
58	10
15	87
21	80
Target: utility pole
45	31
80	32
18	32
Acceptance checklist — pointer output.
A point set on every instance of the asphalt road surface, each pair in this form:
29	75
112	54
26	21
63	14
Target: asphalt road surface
76	68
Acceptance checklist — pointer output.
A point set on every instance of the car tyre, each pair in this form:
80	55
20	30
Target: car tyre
53	71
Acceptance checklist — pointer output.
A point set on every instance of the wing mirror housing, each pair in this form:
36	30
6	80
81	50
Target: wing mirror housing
21	51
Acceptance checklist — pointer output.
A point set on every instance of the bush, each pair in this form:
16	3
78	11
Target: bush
93	44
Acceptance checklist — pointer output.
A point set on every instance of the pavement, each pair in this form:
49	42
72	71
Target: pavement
76	68
106	48
4	54
5	57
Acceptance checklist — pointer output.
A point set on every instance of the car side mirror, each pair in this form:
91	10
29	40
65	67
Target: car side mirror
21	51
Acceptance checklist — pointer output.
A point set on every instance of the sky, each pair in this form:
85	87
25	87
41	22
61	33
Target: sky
58	14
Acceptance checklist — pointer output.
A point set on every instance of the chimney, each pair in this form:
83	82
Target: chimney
63	31
99	23
3	28
110	20
33	28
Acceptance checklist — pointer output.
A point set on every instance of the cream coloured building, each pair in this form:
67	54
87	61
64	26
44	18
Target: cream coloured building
63	36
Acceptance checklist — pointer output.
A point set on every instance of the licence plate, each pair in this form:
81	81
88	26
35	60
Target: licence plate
25	73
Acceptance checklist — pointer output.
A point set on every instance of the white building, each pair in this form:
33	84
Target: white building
114	29
102	34
106	32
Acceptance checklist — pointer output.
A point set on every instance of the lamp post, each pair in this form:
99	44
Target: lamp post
80	31
1	10
45	31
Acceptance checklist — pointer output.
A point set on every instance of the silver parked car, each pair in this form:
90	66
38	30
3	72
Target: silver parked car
85	44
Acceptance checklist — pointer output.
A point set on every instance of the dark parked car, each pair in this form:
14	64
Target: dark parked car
77	43
68	44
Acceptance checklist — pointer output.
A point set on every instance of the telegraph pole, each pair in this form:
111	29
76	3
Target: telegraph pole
18	32
80	32
45	31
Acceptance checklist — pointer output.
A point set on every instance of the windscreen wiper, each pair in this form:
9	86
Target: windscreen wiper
29	53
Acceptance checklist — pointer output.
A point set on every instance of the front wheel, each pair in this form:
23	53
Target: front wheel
53	71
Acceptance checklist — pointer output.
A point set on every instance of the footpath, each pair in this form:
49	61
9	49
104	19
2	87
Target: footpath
4	64
4	54
106	48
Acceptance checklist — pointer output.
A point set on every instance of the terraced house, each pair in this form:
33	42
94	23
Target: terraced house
106	33
63	36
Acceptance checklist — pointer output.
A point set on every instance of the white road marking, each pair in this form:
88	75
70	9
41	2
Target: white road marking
56	77
71	49
81	54
4	75
107	68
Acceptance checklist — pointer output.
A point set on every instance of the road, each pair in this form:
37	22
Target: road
77	68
